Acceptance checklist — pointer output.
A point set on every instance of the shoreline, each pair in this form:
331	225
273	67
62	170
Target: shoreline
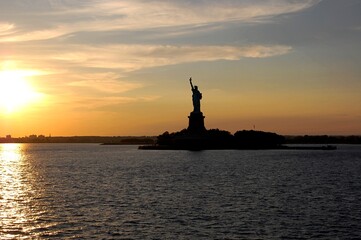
163	147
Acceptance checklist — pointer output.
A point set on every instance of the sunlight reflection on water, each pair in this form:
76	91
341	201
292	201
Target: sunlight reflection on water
13	189
19	211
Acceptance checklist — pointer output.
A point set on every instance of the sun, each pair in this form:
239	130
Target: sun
15	90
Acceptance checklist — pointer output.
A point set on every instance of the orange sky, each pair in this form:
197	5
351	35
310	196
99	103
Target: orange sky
122	68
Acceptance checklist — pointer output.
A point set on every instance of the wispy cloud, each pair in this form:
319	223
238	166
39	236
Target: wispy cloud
358	28
66	17
97	91
135	57
6	28
102	84
106	103
44	34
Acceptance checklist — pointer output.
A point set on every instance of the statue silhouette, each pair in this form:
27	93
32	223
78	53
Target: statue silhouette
196	98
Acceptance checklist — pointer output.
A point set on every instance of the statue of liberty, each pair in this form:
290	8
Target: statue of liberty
196	97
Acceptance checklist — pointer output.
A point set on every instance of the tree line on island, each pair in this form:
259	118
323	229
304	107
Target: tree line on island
220	139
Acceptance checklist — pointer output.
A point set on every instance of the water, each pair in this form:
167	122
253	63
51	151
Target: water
85	191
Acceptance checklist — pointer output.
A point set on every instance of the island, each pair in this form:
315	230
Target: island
197	137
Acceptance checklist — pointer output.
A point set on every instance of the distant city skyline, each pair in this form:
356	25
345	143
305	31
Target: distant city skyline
118	68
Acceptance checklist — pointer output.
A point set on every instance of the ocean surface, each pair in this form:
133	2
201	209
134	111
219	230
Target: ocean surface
89	191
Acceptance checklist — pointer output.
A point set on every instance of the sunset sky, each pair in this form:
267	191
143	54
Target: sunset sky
111	67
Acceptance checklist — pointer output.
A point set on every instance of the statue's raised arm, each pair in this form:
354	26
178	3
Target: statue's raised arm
190	81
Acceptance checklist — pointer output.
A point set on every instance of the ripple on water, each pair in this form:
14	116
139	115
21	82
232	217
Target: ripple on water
83	191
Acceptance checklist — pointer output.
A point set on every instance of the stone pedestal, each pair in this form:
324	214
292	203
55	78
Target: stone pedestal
196	122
